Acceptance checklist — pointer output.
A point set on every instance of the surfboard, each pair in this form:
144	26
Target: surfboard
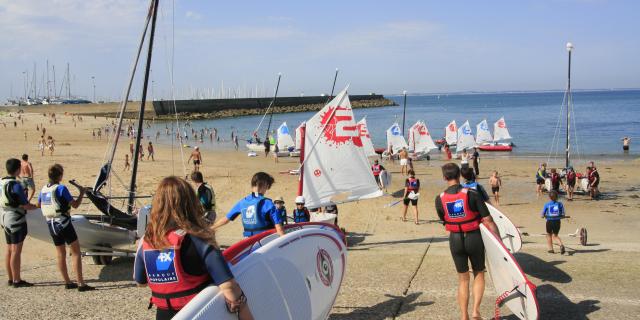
512	285
509	233
296	276
385	178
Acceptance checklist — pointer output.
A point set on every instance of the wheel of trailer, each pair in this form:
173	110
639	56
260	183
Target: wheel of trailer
102	260
583	236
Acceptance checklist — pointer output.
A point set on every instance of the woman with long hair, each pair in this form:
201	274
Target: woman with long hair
178	256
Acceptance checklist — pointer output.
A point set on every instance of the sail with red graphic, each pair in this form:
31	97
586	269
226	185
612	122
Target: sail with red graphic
367	144
500	131
420	140
335	167
451	133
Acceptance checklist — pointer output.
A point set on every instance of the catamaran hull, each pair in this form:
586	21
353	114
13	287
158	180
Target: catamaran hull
91	235
255	147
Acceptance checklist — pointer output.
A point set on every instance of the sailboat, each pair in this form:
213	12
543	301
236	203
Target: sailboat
395	139
465	138
298	141
501	140
450	134
285	141
334	165
114	231
367	144
255	144
420	141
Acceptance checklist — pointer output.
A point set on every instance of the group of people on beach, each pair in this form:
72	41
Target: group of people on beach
568	179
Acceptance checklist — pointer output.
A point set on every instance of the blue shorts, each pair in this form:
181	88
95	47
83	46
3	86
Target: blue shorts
61	234
16	237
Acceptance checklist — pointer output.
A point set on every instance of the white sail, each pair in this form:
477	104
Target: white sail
451	133
420	139
298	145
465	137
500	131
395	139
363	132
284	137
483	135
336	167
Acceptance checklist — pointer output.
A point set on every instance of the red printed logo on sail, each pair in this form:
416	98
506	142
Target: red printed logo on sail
339	126
452	127
362	131
501	124
422	130
317	172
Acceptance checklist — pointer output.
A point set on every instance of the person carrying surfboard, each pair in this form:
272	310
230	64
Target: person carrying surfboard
553	212
377	169
178	256
462	210
411	191
257	212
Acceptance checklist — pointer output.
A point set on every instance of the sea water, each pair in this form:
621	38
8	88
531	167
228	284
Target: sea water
600	120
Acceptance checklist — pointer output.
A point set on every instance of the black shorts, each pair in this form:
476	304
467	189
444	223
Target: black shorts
553	227
571	183
467	247
540	181
16	236
414	202
61	235
377	179
495	189
196	162
625	148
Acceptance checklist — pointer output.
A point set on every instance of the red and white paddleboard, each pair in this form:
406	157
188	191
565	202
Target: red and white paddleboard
296	276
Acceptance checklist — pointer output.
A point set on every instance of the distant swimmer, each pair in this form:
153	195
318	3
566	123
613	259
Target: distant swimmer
301	213
13	211
257	212
626	141
404	156
56	203
206	195
553	212
26	176
411	190
462	210
541	175
179	257
197	158
496	182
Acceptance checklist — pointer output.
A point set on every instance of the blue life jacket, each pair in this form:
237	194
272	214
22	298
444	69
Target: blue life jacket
300	215
282	212
253	220
471	185
553	210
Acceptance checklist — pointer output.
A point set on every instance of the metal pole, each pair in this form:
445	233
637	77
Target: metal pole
404	110
271	105
335	77
93	79
568	145
132	186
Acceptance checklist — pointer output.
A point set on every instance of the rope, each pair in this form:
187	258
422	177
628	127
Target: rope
555	142
499	300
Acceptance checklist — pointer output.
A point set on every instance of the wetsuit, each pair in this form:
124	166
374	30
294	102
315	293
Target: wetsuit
553	211
13	221
465	246
197	259
207	198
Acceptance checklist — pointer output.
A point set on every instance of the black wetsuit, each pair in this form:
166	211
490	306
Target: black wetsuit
466	246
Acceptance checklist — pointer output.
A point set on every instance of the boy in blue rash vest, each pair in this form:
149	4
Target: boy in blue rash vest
13	211
301	213
553	212
258	213
281	209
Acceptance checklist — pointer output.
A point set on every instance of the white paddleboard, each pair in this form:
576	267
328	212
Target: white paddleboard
509	233
547	184
385	178
583	183
510	282
296	276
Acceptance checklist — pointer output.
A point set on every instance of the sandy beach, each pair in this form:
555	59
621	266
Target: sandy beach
395	270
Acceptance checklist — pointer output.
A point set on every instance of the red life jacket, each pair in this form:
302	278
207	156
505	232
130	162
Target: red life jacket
571	176
171	287
555	178
412	184
376	169
458	217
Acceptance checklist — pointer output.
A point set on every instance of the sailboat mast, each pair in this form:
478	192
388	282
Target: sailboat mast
404	110
568	99
272	104
335	77
68	82
132	186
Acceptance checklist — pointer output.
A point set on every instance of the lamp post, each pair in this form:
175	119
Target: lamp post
404	109
93	79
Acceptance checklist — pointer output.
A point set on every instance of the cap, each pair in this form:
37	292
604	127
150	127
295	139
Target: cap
278	199
196	147
299	199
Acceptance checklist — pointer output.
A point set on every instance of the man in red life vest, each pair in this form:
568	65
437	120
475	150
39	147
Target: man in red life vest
462	210
377	169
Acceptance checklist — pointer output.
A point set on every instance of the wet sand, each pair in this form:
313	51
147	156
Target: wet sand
395	269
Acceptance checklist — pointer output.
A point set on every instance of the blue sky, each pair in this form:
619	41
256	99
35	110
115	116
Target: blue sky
379	46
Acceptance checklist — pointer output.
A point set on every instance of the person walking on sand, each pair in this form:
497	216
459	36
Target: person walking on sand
404	156
447	151
464	159
276	149
206	195
571	182
541	175
13	210
496	183
594	181
377	169
471	183
51	144
131	148
257	212
56	203
626	142
41	144
127	165
462	210
151	151
197	158
553	212
476	161
411	191
26	176
267	146
178	256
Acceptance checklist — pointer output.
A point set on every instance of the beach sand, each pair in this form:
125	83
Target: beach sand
395	270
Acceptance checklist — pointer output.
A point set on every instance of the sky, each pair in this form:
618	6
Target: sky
379	46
